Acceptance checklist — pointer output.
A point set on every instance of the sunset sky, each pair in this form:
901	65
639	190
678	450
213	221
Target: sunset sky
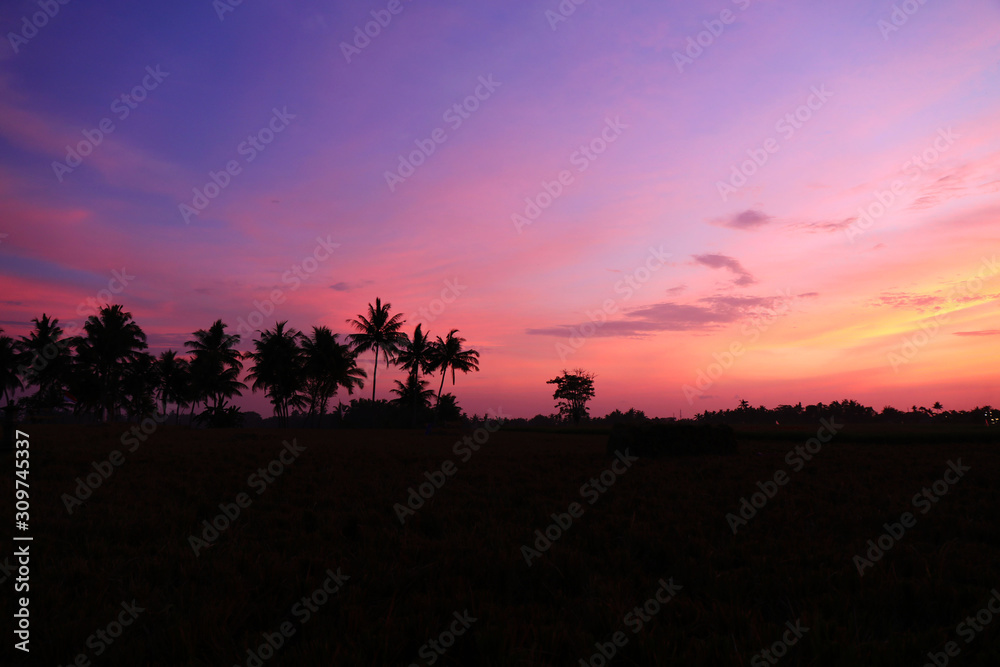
695	166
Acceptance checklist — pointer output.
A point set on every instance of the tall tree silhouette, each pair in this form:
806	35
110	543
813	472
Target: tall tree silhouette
175	381
10	382
573	390
216	365
10	361
448	354
378	332
139	386
416	355
329	365
278	369
110	341
413	393
47	359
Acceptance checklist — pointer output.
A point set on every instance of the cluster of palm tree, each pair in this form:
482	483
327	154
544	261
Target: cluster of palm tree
105	365
379	332
296	370
105	370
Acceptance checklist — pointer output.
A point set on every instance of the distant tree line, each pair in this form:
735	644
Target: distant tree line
849	410
105	374
846	410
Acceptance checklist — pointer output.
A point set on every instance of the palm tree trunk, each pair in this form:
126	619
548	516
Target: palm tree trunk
416	383
437	406
444	372
375	373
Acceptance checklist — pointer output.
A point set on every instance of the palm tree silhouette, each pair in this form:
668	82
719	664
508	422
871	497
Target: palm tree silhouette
10	381
278	369
378	332
216	366
328	365
110	342
139	385
175	381
50	362
413	393
10	360
448	353
417	355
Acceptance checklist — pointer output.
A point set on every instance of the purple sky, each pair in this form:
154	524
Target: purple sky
691	199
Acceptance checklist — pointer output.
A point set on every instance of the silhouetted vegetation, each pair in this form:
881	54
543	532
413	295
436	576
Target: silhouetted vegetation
105	374
573	390
846	410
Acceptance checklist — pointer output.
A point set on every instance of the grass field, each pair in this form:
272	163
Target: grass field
398	586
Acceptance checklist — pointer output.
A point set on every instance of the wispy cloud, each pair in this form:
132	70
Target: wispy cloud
749	219
706	314
714	261
934	300
349	287
823	225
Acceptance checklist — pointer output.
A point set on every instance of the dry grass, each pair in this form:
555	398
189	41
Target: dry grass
663	518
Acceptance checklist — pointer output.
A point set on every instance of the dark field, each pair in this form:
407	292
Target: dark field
402	585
